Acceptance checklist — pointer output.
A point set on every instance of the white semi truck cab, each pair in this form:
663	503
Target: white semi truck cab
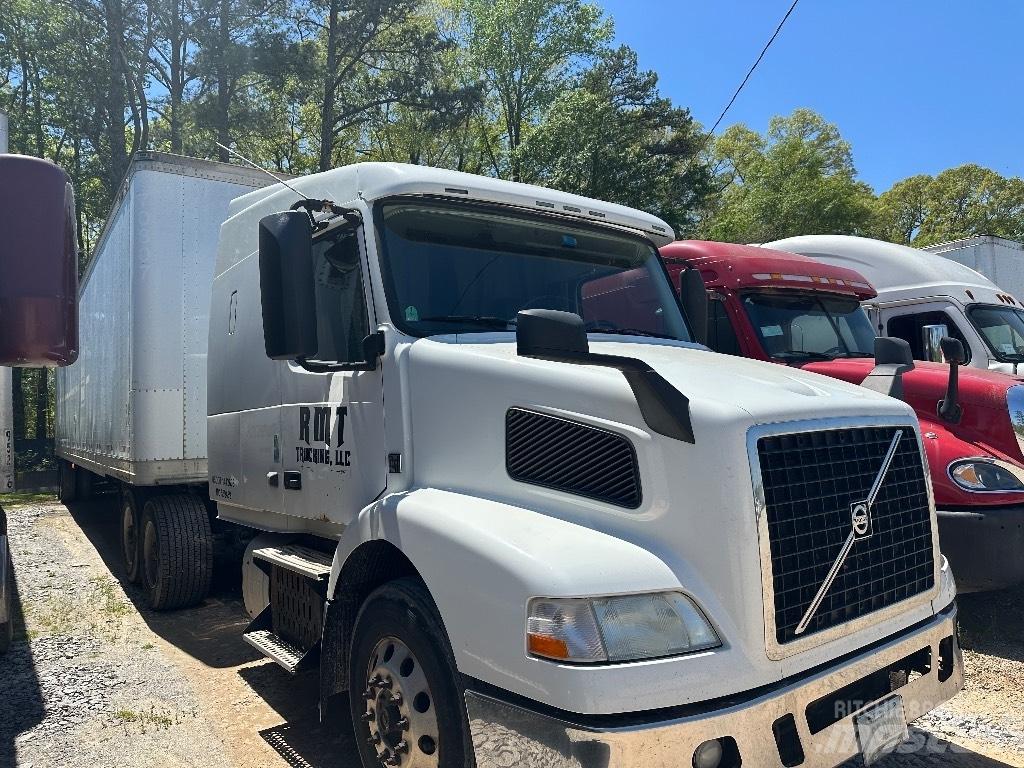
520	530
920	290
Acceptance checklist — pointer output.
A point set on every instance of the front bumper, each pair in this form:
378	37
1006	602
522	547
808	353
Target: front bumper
985	547
516	734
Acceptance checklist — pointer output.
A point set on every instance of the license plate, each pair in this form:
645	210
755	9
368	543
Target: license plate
881	729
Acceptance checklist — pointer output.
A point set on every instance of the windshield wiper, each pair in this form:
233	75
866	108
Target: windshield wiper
632	332
487	321
801	353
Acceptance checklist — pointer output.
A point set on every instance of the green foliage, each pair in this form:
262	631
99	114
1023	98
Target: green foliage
960	202
797	179
613	137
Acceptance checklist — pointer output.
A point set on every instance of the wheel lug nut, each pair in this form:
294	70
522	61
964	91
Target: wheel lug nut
368	716
403	724
402	746
393	760
396	698
385	684
374	739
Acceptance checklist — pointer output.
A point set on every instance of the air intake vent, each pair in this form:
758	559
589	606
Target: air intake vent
571	457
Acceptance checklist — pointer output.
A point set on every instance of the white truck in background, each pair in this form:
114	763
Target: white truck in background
515	528
998	259
923	296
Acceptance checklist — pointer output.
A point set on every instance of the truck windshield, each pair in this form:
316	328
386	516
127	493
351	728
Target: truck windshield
457	268
1002	328
797	328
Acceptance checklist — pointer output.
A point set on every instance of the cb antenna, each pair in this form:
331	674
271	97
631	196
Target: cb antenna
245	159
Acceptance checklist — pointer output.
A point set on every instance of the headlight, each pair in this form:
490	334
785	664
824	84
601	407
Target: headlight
617	629
987	475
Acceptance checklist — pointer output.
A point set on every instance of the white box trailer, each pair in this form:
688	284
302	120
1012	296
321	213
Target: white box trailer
998	259
133	407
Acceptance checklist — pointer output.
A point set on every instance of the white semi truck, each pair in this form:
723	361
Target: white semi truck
516	529
923	296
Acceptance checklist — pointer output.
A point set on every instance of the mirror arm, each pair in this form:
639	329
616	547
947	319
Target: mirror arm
949	409
373	350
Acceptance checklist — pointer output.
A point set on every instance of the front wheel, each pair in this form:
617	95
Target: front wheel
406	700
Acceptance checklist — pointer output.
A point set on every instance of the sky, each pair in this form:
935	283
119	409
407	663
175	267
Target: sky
915	86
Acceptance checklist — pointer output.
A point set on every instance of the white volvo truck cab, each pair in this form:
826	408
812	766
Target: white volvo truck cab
918	291
520	531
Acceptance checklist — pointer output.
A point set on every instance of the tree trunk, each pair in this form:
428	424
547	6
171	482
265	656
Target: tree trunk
42	402
327	117
116	97
223	81
177	79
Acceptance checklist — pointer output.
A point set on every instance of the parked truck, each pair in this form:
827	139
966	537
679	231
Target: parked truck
38	293
514	529
997	258
919	291
787	308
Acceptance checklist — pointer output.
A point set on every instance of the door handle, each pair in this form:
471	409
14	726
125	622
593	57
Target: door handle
293	480
272	479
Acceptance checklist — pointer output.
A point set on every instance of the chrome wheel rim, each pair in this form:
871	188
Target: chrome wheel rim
129	538
400	709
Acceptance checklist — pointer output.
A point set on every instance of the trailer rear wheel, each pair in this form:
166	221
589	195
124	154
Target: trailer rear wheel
176	551
68	482
131	524
405	697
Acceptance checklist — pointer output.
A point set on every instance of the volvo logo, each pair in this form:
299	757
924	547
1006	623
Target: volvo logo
861	517
860	528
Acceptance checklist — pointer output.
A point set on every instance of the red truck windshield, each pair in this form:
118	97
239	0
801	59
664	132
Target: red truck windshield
796	328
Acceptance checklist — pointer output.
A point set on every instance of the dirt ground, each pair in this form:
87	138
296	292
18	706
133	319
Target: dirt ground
95	679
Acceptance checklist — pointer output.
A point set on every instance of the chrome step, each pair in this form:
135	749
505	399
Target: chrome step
305	561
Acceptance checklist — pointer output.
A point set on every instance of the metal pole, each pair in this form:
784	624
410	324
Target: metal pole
6	391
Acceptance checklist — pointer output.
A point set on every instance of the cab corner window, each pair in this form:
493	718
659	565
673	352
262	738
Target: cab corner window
341	316
910	328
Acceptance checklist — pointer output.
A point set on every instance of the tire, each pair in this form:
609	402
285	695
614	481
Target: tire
176	551
68	482
399	646
131	522
7	628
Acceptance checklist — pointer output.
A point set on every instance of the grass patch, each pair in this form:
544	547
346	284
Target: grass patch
26	497
144	720
97	610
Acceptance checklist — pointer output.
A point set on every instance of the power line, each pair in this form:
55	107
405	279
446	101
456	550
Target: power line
753	67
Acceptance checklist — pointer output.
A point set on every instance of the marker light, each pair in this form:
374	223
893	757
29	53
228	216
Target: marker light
617	629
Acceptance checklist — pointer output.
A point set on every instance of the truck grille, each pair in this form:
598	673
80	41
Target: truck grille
811	481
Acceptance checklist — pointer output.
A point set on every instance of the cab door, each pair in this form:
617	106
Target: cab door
332	412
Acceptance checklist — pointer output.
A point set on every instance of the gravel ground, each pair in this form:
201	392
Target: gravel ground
94	679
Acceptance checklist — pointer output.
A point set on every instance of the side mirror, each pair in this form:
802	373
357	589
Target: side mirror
693	295
953	352
550	333
932	341
38	264
287	290
893	358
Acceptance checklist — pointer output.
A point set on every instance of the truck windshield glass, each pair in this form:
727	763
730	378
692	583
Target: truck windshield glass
796	328
452	268
1002	328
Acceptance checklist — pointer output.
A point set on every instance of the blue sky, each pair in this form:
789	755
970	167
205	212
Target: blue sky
914	86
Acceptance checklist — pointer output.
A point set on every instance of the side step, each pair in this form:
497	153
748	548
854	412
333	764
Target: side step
304	561
260	635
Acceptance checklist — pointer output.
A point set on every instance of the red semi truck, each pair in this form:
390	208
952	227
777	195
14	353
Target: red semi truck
790	309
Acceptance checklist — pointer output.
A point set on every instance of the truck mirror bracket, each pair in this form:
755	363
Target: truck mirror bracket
953	351
547	334
893	358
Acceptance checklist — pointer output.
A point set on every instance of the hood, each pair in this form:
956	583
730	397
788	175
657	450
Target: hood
766	393
983	430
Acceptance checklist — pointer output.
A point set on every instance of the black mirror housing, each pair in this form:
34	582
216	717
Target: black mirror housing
893	358
287	290
550	333
952	350
693	295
